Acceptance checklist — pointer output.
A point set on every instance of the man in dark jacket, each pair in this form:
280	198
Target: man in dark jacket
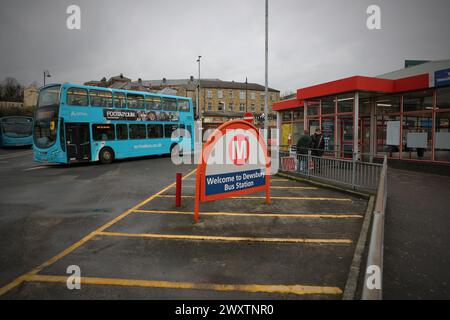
304	144
318	147
318	143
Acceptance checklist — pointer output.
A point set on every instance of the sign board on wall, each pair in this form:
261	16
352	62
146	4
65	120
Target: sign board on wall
393	133
417	140
442	78
233	162
442	140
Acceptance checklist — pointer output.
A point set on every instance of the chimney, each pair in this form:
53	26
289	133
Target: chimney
192	78
140	81
164	80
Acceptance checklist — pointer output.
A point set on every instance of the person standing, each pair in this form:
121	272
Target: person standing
318	148
304	144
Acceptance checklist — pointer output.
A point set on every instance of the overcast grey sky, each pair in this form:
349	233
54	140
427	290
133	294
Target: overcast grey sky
309	41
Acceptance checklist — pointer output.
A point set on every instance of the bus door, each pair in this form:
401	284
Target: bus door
78	142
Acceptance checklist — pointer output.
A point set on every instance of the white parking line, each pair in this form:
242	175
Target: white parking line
35	168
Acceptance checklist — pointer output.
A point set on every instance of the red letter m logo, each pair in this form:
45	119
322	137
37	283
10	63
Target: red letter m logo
239	150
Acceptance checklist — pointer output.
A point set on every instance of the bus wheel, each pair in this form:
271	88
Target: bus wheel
106	156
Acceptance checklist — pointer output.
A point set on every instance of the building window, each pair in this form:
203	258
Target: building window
219	94
387	105
209	106
328	105
345	103
209	94
220	106
286	116
313	108
242	107
252	95
253	108
419	100
417	135
242	95
443	98
77	97
231	94
231	106
103	132
442	136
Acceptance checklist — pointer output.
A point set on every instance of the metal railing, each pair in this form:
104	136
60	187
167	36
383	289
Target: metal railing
349	172
372	287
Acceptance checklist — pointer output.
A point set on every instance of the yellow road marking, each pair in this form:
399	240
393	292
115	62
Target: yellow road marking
220	238
276	187
264	215
79	243
254	288
272	198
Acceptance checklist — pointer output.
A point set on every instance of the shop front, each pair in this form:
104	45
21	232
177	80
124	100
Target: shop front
364	118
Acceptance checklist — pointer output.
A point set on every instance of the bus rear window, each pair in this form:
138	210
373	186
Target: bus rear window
137	131
77	97
135	101
153	103
103	132
100	98
119	100
169	104
183	105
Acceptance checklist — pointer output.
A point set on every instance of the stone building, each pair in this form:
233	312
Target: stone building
219	102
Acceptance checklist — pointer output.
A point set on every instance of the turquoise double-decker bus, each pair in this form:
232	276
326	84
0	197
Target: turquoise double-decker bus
76	123
16	131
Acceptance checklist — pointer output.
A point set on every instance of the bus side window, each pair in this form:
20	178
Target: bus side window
122	131
169	104
168	129
119	100
100	98
153	103
77	97
135	101
137	131
183	105
155	131
103	132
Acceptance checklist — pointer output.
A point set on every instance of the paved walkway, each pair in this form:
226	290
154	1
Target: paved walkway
417	236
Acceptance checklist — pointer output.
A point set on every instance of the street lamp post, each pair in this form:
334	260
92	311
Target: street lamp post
46	75
198	92
266	102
